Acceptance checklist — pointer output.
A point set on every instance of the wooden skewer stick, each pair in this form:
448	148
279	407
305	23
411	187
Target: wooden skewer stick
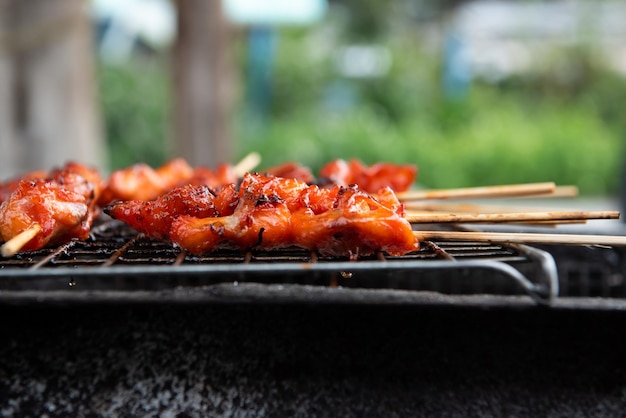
509	217
523	238
247	163
464	207
548	223
461	207
552	223
485	191
559	191
15	244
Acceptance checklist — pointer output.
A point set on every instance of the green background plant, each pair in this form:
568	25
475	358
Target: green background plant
535	127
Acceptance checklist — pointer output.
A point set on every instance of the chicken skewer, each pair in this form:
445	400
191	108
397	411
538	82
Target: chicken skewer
201	204
142	182
42	212
271	212
9	186
19	234
398	177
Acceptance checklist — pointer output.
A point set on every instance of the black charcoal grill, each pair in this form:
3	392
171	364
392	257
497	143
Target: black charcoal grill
120	325
118	264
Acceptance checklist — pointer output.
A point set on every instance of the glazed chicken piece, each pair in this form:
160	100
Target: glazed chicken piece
369	178
142	182
270	213
223	175
291	170
334	222
261	218
58	208
226	199
356	224
90	174
60	212
317	199
154	218
262	222
256	187
92	188
9	186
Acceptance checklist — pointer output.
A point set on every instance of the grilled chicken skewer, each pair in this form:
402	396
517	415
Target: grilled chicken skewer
42	212
142	182
25	230
9	186
271	212
370	179
332	222
226	216
154	218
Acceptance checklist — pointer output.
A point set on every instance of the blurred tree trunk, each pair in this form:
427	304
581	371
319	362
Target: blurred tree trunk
203	83
48	107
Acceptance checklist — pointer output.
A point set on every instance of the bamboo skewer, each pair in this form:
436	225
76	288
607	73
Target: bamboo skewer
559	191
416	218
552	224
462	207
247	163
15	244
526	189
523	238
466	207
549	223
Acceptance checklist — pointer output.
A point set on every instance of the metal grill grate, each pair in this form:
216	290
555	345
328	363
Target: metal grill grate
116	259
591	272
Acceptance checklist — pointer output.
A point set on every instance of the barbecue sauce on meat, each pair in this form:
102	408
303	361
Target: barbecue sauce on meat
154	218
62	205
270	213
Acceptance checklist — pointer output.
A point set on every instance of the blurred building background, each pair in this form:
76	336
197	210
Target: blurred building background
473	92
49	110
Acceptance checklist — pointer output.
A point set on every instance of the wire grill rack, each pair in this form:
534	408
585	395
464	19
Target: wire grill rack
118	260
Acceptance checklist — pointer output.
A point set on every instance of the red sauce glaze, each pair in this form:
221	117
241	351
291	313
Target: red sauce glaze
154	218
369	178
275	213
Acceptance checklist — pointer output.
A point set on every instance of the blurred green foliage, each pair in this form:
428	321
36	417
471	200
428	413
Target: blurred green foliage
533	128
499	143
135	101
537	127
